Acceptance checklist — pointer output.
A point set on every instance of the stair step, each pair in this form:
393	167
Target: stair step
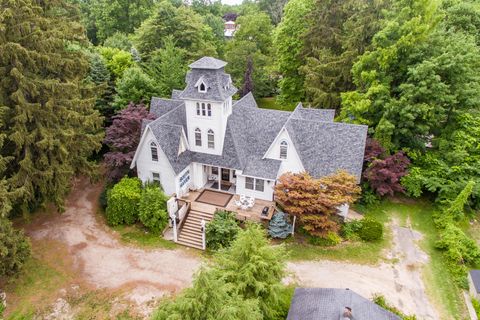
191	243
188	230
200	216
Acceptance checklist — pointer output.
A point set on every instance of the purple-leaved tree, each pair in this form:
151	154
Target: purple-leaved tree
248	78
384	175
122	137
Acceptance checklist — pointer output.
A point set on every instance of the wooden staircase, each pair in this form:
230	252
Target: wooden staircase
190	234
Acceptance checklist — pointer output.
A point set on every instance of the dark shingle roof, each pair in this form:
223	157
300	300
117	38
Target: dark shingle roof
219	85
475	275
329	304
325	147
208	63
313	114
176	93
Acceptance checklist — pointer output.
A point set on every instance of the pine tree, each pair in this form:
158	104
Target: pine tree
247	78
279	227
50	123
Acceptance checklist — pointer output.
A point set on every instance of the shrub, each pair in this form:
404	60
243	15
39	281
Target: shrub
351	229
123	202
102	199
152	209
476	306
459	250
14	248
222	230
331	239
371	230
381	301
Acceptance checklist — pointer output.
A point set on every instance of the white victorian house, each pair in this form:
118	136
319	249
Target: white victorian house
202	138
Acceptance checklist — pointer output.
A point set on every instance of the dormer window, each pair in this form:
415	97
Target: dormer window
202	87
283	149
154	151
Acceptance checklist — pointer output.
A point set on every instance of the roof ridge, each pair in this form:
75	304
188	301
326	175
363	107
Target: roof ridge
330	122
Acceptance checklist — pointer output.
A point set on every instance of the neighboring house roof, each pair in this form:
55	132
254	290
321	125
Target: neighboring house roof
208	63
329	304
475	275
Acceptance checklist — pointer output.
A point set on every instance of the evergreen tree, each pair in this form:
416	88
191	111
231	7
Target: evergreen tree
50	125
289	45
118	40
278	227
247	79
339	31
14	248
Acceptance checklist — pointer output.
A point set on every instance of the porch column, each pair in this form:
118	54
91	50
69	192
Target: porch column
219	179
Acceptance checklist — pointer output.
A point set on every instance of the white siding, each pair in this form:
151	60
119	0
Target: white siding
145	165
216	122
292	163
267	193
199	176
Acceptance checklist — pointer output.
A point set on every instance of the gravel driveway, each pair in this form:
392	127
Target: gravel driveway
103	261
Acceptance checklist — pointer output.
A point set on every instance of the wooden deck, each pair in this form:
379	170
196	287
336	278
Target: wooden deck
253	214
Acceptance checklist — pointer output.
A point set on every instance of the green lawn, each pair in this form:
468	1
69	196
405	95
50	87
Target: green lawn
139	236
271	103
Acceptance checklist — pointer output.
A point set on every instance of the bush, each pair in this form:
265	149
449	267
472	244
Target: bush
14	248
380	300
351	229
123	202
476	306
331	239
222	230
102	199
459	250
371	230
152	209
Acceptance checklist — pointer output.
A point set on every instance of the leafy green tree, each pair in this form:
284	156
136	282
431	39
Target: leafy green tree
152	209
182	23
254	268
135	86
49	121
339	31
167	67
117	60
122	201
289	42
209	298
252	41
463	16
118	40
109	17
222	230
457	207
14	248
274	8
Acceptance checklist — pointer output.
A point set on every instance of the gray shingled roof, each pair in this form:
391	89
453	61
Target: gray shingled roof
325	147
475	275
329	304
247	101
176	93
313	114
160	106
219	85
208	63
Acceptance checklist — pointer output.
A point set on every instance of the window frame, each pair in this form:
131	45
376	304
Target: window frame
154	151
198	109
198	137
249	183
210	139
184	178
255	184
154	180
209	110
202	87
204	110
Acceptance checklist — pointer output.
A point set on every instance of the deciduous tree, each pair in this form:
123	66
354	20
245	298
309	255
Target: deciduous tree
384	175
314	201
135	86
122	137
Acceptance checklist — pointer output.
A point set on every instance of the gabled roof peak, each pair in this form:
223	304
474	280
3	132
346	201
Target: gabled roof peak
208	63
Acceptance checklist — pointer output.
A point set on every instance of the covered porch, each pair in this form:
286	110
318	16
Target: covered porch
221	179
209	201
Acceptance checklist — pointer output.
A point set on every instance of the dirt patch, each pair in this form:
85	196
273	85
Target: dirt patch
101	261
401	282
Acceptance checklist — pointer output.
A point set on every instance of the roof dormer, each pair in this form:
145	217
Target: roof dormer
202	85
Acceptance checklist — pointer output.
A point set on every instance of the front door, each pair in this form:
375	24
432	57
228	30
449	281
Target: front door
225	174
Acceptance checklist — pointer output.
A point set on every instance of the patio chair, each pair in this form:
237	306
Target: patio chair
251	202
243	198
238	203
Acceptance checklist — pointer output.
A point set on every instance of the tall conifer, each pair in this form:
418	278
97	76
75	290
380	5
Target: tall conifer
50	125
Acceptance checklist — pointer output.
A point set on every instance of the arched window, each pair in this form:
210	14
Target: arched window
198	109
211	139
202	87
204	113
209	110
198	137
154	151
283	149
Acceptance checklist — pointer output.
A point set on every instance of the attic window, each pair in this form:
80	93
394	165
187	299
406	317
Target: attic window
154	151
202	87
283	149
